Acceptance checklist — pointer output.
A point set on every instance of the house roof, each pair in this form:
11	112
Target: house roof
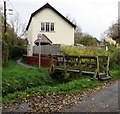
49	6
45	39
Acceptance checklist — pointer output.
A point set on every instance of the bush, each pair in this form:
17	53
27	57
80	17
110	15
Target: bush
87	40
69	50
114	54
16	51
5	53
12	45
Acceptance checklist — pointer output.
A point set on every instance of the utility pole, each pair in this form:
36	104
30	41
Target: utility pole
5	17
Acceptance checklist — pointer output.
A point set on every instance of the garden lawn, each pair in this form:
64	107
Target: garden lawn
20	82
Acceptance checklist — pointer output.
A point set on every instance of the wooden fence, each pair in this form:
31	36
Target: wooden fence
98	66
48	49
54	49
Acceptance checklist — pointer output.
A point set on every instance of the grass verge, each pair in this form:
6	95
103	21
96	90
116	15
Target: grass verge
20	82
18	78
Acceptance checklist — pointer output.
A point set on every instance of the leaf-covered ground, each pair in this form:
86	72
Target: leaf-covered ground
56	102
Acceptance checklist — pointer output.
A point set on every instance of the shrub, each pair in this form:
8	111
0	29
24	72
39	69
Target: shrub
12	46
5	53
114	54
16	51
69	50
88	40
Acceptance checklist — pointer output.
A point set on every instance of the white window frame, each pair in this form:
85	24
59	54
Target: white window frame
50	26
53	26
43	26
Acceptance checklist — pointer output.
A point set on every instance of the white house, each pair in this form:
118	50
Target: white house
55	27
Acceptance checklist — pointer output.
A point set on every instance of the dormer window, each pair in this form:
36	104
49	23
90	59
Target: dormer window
47	26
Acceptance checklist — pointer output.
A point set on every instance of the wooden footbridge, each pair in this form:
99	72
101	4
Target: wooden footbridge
97	66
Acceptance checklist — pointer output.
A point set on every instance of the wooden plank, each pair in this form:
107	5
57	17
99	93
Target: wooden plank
105	78
89	63
103	56
74	62
79	66
87	69
82	64
91	57
77	71
71	70
57	61
57	56
61	69
107	68
86	72
52	64
102	74
71	56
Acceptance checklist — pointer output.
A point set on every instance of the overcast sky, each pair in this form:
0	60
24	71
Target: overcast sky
93	16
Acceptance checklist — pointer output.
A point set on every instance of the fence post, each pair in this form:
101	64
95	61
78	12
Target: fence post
80	66
66	75
107	69
52	63
97	67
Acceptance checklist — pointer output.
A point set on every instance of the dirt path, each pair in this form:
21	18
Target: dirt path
105	100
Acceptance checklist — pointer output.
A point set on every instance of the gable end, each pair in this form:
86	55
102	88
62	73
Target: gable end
50	7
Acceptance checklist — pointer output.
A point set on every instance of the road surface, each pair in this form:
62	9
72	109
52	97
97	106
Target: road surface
105	100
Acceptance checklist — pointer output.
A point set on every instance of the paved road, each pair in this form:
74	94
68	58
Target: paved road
105	100
24	107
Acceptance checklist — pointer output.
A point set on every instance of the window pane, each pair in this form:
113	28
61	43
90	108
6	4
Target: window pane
52	26
47	26
42	27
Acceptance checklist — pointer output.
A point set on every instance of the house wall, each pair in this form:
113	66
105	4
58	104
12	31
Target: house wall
63	34
29	38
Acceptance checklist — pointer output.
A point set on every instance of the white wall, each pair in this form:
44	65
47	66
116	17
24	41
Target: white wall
63	34
30	40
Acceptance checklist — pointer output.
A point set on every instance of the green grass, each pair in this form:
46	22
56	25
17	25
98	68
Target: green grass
115	73
77	85
20	82
18	78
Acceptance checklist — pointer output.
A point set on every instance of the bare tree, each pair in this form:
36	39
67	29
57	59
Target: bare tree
18	26
113	32
78	30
